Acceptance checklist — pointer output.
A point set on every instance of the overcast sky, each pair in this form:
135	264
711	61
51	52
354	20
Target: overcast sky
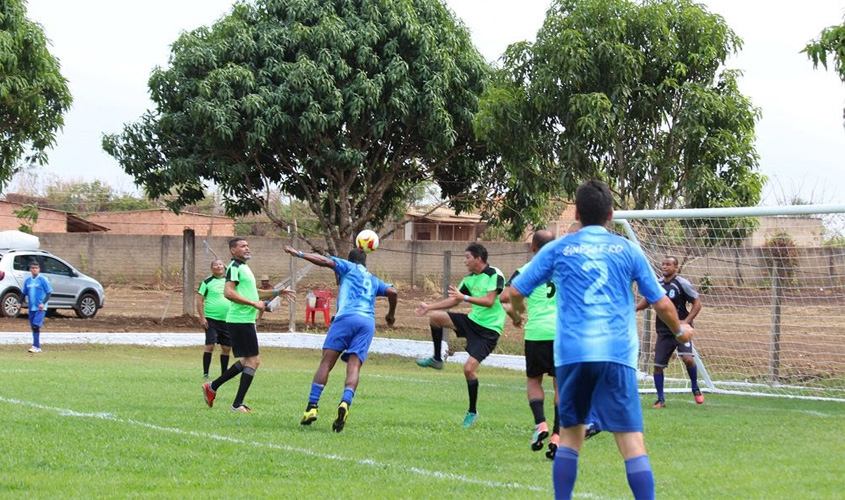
108	48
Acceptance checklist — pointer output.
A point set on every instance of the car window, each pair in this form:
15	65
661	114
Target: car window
53	266
21	262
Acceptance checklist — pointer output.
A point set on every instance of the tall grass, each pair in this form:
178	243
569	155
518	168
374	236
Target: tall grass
121	421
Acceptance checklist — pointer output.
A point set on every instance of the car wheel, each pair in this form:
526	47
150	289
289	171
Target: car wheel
86	307
10	304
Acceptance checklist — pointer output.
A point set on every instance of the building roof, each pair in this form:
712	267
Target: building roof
442	215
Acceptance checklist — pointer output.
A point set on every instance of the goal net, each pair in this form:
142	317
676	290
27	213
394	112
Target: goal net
772	284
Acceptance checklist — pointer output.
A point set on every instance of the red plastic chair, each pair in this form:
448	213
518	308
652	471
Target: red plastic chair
324	303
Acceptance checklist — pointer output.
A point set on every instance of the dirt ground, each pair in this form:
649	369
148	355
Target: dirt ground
140	309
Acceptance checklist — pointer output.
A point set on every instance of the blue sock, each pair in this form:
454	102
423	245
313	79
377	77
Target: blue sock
348	394
564	472
316	391
640	477
36	338
658	384
693	377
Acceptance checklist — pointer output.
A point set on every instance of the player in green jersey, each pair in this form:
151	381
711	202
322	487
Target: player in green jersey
481	327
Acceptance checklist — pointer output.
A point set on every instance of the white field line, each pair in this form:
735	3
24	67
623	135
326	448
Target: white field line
448	476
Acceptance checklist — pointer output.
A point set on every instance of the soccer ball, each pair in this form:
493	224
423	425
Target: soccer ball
367	240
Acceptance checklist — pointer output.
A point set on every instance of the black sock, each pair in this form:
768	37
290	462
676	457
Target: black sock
437	337
537	409
231	373
246	379
557	422
472	388
224	363
206	362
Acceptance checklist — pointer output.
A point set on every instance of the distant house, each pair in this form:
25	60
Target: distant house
163	222
49	220
439	224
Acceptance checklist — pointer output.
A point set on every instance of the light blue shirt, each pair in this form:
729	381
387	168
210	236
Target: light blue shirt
358	289
593	271
36	290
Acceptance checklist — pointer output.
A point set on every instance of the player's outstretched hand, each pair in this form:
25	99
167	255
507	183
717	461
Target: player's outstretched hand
288	294
422	309
289	249
455	293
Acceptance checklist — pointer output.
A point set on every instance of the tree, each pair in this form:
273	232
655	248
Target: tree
91	197
343	105
33	94
629	92
831	42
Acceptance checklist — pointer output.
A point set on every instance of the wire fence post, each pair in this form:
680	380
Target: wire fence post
188	271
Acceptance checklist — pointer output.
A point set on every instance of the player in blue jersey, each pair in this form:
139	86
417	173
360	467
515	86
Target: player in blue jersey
352	329
37	290
596	345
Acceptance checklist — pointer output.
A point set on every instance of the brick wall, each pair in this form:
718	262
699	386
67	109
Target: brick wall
116	258
158	259
163	222
49	221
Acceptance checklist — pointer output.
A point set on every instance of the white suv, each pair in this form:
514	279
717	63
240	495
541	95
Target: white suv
71	288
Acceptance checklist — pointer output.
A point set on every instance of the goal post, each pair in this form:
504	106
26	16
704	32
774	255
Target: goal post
772	284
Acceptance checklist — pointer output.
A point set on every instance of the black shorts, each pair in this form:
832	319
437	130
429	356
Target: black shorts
217	333
244	339
539	358
665	346
480	341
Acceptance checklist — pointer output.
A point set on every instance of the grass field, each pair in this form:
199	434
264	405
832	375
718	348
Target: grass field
86	421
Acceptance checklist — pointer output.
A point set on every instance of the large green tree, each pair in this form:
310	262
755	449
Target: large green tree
345	105
634	93
830	43
34	95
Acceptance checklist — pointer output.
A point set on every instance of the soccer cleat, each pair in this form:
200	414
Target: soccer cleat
699	397
205	377
541	432
591	430
659	404
469	420
34	349
208	394
342	413
554	441
309	416
242	409
430	363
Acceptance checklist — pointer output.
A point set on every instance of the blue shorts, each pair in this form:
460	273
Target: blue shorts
352	333
36	318
605	392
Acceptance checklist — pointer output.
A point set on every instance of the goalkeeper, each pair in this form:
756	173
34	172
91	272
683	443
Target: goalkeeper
681	292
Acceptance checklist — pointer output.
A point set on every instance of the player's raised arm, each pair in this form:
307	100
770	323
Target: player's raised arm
314	258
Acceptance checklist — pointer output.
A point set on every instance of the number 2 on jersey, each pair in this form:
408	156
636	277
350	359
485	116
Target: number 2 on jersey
593	294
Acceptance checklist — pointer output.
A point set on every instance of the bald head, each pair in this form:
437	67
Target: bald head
540	238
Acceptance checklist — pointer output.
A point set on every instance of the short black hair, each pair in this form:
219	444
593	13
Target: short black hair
34	263
357	256
478	250
234	241
542	237
594	202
